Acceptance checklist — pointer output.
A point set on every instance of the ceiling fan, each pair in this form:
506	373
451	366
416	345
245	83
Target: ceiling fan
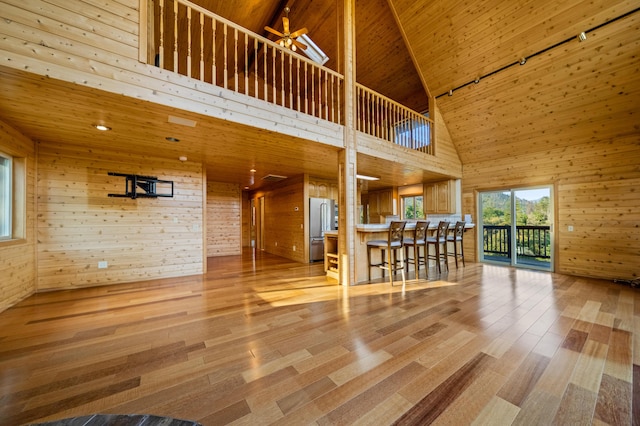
288	39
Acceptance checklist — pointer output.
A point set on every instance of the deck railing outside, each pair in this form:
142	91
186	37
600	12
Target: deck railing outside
531	241
187	39
386	119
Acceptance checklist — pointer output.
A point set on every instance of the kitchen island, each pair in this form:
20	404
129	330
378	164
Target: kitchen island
366	233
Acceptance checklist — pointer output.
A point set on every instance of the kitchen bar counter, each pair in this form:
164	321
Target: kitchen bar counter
366	233
377	227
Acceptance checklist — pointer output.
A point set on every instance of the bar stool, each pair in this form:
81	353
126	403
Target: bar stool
439	242
393	243
419	240
456	239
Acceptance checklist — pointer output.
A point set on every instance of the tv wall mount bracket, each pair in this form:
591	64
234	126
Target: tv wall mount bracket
137	186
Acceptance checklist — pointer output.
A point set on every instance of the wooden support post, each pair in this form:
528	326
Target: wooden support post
347	183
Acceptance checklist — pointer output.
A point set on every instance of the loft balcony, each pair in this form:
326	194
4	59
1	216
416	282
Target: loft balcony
185	38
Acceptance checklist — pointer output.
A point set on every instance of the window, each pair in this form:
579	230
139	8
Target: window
6	196
413	207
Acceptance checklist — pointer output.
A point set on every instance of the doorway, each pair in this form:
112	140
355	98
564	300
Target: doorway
516	227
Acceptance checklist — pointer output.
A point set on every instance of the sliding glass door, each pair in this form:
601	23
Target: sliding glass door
516	227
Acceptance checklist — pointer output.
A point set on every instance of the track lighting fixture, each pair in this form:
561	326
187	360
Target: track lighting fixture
581	37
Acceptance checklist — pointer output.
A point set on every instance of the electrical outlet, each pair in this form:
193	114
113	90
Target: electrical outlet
102	264
570	228
294	248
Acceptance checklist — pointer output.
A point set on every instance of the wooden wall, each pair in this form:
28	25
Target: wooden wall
224	220
597	191
284	224
79	225
17	258
95	44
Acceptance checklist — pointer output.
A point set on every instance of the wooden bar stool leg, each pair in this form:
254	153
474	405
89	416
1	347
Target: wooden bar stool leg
390	265
369	261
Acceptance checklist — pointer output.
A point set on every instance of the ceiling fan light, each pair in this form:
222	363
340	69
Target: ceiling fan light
281	43
289	42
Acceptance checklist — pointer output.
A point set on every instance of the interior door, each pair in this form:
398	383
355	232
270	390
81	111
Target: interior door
260	225
516	227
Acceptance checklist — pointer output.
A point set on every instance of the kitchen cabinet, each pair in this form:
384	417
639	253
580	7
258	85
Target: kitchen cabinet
323	189
381	203
331	255
440	197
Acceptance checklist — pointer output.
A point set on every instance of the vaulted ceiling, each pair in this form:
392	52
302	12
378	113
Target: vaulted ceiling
567	93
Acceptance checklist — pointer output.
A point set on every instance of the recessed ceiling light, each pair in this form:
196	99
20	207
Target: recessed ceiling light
172	139
102	127
365	177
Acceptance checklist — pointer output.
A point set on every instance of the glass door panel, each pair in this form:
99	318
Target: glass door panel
516	227
532	237
495	226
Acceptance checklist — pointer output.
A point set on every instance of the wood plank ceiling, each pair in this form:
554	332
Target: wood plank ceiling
574	93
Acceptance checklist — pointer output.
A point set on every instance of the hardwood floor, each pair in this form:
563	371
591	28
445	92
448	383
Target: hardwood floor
262	340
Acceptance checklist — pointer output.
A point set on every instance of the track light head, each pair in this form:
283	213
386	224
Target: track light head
523	61
582	36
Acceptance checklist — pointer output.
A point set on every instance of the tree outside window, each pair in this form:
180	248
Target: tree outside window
413	207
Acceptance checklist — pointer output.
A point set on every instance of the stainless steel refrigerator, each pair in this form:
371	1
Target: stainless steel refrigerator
322	216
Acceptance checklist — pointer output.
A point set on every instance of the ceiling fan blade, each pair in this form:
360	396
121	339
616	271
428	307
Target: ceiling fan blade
285	24
298	33
272	31
300	45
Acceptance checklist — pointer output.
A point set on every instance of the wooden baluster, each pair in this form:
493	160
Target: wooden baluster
326	96
161	46
385	130
376	119
225	74
235	60
369	113
290	80
255	68
201	46
313	91
266	76
282	77
246	64
333	99
298	84
273	76
175	36
188	42
339	101
306	88
214	70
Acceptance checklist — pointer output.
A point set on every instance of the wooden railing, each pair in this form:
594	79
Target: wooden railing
190	40
386	119
187	39
531	241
